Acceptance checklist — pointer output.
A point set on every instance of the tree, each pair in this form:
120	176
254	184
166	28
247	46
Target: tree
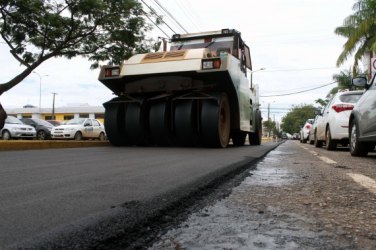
296	117
269	125
101	30
360	31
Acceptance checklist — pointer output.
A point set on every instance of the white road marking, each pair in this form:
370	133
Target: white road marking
327	160
314	152
364	181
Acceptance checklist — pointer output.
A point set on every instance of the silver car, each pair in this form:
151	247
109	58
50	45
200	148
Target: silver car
362	123
16	129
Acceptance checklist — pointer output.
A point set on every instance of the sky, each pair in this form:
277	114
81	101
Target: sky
293	40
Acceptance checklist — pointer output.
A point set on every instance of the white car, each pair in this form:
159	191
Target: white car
79	129
333	126
14	128
304	131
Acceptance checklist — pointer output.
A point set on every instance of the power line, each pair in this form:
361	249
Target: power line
168	13
156	25
152	10
183	7
306	69
322	86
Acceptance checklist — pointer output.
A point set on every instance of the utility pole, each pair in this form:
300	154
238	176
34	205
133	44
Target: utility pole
53	105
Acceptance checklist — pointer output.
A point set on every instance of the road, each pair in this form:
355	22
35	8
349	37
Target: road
87	197
297	197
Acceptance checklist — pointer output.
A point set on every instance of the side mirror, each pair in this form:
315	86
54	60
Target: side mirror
86	124
360	82
318	112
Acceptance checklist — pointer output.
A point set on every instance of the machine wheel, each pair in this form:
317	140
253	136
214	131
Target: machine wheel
215	122
256	137
135	124
160	123
115	123
78	136
329	143
41	135
357	148
6	135
238	138
185	123
101	136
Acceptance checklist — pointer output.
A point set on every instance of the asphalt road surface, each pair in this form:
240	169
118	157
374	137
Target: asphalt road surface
91	197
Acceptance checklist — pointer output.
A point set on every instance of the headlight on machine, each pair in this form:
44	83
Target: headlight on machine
211	63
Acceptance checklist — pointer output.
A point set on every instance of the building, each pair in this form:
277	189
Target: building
61	113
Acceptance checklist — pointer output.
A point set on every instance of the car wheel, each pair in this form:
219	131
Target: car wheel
78	136
317	143
329	143
102	137
357	148
6	135
41	135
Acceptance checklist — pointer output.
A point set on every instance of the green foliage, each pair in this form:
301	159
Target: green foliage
101	30
269	125
296	117
360	31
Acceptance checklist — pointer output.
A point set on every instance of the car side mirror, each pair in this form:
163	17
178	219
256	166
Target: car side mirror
86	124
360	82
318	112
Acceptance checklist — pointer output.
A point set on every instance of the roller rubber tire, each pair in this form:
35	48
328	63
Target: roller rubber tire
238	138
135	124
115	123
215	122
185	123
160	123
256	137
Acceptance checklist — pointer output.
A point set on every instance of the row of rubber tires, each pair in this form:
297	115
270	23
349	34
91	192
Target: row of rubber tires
182	122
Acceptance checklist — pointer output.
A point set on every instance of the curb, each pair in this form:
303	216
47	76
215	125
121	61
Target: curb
30	145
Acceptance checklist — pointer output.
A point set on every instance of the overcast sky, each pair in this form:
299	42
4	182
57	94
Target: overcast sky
293	40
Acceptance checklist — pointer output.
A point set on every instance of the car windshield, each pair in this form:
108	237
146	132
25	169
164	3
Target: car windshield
76	121
352	98
215	46
43	122
13	120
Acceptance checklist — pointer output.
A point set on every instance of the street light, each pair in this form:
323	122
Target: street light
53	105
252	71
40	90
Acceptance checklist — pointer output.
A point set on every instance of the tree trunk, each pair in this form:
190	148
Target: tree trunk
3	116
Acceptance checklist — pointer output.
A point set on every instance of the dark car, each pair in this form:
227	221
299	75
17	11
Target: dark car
42	127
362	122
55	122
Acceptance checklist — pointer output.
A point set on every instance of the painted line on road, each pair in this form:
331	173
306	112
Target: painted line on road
364	181
327	160
314	153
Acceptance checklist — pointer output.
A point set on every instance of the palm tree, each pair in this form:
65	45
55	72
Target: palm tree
343	80
360	31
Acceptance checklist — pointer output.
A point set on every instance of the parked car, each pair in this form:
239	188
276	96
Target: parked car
311	136
42	127
362	122
332	126
296	136
16	129
304	131
79	129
